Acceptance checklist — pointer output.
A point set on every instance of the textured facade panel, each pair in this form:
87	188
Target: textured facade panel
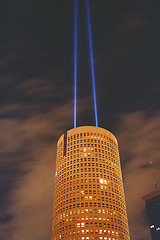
89	199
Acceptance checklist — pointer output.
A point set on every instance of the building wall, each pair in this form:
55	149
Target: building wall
153	209
89	199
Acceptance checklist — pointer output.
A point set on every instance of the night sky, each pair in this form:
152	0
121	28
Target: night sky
36	101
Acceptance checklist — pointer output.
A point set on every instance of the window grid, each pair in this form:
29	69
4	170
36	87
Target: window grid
89	199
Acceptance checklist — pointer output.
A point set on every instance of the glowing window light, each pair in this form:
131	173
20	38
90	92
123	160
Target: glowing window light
91	58
101	181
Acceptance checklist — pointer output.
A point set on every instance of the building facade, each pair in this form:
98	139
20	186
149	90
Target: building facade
89	198
152	201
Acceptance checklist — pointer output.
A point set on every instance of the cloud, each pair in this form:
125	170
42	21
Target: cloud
138	135
27	171
28	155
135	21
38	87
5	80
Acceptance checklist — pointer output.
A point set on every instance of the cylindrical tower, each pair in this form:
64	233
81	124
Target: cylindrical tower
89	198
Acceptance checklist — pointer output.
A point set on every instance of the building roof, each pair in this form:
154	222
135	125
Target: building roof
151	195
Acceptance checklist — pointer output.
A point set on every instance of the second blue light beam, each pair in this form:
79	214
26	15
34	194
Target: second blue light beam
91	57
75	61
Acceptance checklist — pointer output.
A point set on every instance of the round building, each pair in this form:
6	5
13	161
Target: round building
89	198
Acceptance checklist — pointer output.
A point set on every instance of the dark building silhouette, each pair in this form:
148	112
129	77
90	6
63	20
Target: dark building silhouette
152	201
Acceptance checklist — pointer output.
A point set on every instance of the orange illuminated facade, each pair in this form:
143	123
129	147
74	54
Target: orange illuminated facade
89	198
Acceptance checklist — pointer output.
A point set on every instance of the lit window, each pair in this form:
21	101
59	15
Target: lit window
101	181
152	226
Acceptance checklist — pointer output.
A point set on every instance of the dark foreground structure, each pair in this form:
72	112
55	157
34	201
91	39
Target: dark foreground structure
152	201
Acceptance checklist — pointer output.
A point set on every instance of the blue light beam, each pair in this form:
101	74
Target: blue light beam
75	60
91	57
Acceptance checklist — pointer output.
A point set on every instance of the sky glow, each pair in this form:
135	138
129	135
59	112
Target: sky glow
75	61
91	58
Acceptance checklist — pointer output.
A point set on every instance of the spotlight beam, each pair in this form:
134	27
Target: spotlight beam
91	58
75	60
